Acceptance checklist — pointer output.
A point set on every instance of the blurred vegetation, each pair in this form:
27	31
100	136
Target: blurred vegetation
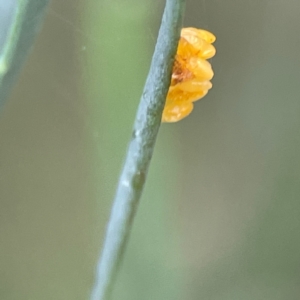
25	17
219	218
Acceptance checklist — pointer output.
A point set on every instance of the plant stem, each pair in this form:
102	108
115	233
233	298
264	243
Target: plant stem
146	126
26	23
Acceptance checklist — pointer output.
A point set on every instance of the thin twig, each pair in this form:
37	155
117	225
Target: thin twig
140	150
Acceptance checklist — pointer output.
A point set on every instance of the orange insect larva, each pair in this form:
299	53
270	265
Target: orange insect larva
191	73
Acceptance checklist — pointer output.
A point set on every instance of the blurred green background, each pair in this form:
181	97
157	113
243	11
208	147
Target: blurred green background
219	219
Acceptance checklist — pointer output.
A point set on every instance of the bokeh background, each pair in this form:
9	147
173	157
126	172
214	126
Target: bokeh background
219	219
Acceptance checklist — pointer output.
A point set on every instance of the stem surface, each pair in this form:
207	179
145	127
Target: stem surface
140	150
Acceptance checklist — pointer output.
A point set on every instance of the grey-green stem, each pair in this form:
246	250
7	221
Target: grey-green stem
26	23
146	126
